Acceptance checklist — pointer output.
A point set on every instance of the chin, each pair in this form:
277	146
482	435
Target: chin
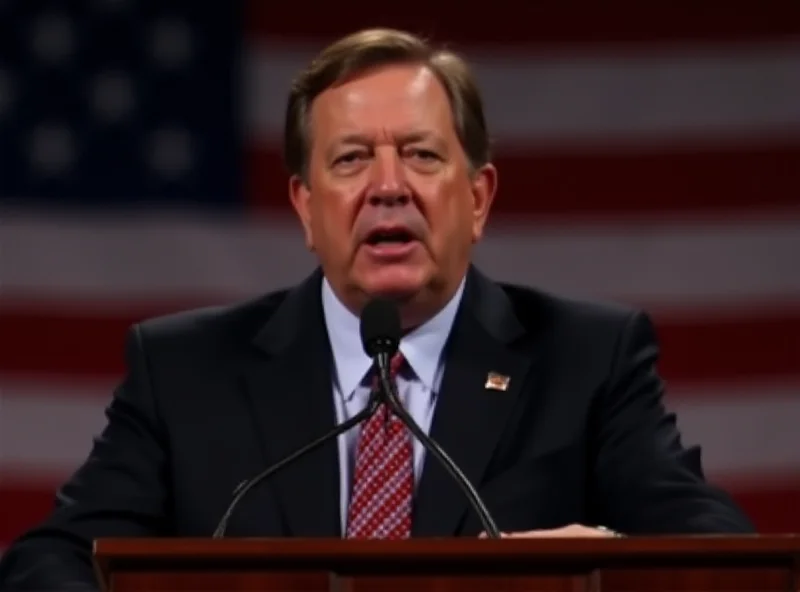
396	286
394	291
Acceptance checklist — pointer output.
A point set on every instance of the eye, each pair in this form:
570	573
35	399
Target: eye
422	154
350	157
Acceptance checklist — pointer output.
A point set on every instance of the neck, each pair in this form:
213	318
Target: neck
414	314
416	309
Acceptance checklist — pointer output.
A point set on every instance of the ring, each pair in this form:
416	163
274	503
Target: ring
613	533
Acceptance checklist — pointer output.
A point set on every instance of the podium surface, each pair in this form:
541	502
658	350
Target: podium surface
657	564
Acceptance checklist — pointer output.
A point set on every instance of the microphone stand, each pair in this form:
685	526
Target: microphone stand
243	488
392	399
386	394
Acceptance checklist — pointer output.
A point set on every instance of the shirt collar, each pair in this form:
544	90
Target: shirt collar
422	348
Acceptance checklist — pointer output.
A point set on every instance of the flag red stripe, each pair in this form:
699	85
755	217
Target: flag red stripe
728	346
608	184
773	510
731	347
549	24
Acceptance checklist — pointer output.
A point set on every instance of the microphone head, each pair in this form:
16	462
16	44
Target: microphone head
380	327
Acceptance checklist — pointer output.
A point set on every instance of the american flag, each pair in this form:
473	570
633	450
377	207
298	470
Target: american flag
648	154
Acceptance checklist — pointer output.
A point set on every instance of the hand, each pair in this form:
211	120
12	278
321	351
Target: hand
571	531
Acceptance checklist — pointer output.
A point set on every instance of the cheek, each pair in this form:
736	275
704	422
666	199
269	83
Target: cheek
450	227
449	209
332	217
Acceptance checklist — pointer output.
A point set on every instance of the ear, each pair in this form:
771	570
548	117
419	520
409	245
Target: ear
300	196
484	186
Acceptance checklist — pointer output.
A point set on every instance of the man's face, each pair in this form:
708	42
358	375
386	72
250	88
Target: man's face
391	207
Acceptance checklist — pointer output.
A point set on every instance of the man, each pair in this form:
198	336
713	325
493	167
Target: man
392	181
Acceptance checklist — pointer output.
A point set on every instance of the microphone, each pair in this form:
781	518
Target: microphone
380	332
380	337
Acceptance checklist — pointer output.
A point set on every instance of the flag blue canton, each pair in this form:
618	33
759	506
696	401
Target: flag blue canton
120	102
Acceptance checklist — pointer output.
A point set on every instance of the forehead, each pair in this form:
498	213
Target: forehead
392	99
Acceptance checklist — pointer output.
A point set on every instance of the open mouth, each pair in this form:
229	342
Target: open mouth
389	237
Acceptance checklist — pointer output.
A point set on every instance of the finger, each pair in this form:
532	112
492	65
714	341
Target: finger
607	532
573	531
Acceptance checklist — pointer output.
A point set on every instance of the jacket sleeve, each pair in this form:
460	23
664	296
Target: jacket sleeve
646	481
121	490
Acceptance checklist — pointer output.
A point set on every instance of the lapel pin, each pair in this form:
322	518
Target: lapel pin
496	382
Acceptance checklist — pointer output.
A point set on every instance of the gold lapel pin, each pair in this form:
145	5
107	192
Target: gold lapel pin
496	382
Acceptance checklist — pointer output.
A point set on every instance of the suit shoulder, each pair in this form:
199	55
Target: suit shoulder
583	333
558	311
239	318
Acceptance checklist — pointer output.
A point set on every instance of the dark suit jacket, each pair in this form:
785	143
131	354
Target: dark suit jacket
214	396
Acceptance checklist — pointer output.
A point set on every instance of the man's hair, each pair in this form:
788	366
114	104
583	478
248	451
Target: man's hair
373	48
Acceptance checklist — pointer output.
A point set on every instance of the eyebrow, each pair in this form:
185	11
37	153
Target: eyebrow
403	138
353	139
419	137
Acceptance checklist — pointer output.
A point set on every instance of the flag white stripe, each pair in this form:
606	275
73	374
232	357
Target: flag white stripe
730	90
750	431
43	432
673	263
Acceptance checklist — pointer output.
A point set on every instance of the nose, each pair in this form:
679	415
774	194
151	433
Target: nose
388	185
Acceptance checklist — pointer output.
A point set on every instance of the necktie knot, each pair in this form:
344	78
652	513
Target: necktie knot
396	364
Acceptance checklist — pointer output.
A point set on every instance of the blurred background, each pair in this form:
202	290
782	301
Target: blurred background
648	154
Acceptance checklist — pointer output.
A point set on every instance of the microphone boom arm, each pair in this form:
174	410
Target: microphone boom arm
242	490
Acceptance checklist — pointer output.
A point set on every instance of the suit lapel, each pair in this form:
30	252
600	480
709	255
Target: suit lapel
289	387
469	418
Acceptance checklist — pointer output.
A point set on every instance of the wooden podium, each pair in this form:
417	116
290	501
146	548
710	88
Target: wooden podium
690	564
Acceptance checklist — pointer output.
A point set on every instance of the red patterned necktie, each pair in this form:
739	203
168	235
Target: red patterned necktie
380	505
